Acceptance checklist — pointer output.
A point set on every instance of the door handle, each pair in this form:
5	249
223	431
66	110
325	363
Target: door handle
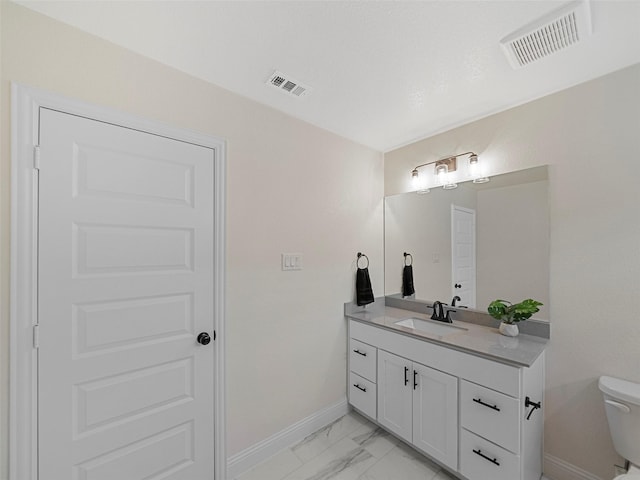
204	338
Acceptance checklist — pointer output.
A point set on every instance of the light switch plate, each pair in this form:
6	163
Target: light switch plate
291	261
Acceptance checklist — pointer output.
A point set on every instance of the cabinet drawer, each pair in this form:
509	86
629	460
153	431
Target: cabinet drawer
362	359
482	460
491	415
362	394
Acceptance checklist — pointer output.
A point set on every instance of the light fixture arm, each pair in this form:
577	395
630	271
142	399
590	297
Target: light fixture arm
444	158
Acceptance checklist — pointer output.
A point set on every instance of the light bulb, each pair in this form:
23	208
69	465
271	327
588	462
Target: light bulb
417	182
441	172
415	179
476	170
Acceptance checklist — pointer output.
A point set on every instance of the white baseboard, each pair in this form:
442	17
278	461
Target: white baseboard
557	469
259	452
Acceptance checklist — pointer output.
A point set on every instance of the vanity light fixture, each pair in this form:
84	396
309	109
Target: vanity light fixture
417	185
475	169
443	169
442	172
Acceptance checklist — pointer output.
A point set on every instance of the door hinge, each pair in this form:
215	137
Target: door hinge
36	157
36	336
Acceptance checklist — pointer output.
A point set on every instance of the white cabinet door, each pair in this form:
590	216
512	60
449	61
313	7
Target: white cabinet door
395	382
435	414
125	287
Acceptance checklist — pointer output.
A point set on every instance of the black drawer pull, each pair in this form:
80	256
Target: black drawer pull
406	379
492	460
493	407
415	383
359	387
364	354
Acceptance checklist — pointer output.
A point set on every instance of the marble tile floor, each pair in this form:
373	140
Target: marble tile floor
351	448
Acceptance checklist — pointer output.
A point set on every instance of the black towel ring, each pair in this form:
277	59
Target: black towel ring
405	259
358	260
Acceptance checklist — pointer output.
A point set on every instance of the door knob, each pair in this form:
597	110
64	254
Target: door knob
204	338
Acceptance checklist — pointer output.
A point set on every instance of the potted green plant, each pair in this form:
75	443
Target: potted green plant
512	313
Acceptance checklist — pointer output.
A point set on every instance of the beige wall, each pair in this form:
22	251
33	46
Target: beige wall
589	136
291	187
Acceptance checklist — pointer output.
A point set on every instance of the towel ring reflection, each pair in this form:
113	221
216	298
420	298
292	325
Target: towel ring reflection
405	259
358	260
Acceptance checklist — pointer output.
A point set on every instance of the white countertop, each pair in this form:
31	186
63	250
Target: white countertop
521	351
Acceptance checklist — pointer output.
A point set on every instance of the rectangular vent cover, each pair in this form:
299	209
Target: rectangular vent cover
288	85
548	35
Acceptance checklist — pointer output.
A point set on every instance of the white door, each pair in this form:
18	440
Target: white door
395	381
463	254
435	414
125	391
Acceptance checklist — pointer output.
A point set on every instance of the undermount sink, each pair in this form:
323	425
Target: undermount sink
430	326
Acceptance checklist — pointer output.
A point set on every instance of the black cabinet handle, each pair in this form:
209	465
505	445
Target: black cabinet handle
457	285
493	407
492	460
406	378
415	383
359	387
364	354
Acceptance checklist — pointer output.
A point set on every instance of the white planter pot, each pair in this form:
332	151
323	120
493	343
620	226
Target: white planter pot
509	330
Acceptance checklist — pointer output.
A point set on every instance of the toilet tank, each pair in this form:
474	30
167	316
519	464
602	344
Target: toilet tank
622	404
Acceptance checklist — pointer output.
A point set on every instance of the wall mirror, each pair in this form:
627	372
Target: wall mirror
478	241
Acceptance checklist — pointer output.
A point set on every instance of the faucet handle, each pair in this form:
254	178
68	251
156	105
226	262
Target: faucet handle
437	308
447	317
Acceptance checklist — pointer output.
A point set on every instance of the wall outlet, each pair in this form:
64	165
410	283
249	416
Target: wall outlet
291	261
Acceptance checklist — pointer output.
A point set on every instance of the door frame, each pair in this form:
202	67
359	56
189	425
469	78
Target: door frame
23	357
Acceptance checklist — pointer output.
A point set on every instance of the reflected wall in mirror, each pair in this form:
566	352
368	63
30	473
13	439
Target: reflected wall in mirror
510	234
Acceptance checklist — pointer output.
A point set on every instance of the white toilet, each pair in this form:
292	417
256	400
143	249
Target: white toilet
622	404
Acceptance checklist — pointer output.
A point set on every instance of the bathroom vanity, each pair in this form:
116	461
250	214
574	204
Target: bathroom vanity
467	397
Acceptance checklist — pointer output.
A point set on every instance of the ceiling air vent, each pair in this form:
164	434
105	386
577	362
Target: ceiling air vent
554	32
288	85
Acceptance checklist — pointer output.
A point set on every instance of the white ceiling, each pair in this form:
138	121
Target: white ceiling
383	73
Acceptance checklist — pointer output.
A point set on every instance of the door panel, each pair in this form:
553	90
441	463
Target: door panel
125	285
394	397
153	457
463	254
435	414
